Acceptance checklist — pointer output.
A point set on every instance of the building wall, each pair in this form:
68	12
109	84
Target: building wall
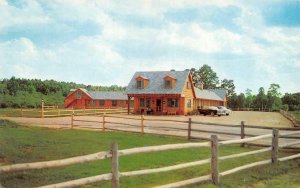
72	101
77	103
204	103
153	104
188	95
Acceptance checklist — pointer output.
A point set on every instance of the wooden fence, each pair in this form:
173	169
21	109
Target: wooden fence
252	109
291	117
114	155
141	124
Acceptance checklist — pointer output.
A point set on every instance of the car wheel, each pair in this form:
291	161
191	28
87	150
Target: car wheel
227	114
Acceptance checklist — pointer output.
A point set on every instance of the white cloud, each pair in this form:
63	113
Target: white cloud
31	13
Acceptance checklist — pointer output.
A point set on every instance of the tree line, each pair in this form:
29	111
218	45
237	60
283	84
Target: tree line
265	99
28	93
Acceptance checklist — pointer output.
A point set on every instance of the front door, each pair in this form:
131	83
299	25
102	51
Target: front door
158	105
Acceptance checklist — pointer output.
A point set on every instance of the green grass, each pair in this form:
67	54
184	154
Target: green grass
20	144
297	115
15	112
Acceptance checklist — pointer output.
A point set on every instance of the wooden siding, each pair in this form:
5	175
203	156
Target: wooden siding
188	94
153	100
204	103
85	102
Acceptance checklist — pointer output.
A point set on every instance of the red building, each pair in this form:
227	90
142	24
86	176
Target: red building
170	92
83	99
162	92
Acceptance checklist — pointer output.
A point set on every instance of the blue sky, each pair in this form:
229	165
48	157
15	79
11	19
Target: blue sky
105	42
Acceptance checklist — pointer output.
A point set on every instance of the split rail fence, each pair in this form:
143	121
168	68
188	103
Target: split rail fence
191	129
214	160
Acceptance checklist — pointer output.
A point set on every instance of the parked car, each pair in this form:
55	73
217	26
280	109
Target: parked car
212	110
226	110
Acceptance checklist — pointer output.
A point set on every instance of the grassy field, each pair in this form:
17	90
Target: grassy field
14	112
297	115
21	144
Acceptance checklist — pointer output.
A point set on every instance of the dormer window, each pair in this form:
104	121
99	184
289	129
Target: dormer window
140	84
169	82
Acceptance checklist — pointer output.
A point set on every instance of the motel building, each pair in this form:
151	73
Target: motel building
170	93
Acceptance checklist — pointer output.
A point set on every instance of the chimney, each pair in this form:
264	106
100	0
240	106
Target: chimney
199	85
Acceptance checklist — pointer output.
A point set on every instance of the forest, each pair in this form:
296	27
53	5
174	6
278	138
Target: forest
28	93
265	99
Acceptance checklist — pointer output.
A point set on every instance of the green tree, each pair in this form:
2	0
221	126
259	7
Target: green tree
229	86
261	99
292	101
249	98
206	75
274	101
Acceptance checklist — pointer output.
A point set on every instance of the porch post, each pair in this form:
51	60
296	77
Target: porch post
128	108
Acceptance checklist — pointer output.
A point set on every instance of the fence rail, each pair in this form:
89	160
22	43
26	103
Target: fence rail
114	154
291	117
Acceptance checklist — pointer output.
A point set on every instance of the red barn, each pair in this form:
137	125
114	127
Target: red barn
83	99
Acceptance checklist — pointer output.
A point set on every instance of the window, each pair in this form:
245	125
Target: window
188	85
101	103
168	84
172	102
142	102
94	104
78	94
148	102
122	104
114	103
140	84
189	103
87	103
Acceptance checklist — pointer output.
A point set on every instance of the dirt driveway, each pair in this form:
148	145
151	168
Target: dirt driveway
155	124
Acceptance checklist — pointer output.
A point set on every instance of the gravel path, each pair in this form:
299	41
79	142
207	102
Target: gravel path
154	124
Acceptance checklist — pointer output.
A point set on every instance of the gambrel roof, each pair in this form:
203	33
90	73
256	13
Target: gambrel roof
156	83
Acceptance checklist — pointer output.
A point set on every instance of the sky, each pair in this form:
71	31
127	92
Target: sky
255	43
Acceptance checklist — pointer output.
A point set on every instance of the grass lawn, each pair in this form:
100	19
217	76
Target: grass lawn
15	112
20	144
297	115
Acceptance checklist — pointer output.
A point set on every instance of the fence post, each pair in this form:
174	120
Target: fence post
189	128
42	109
142	124
275	146
58	112
214	159
114	166
72	120
242	132
103	121
21	112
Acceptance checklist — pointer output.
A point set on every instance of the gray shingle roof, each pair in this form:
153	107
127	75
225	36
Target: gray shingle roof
104	95
156	82
217	94
108	95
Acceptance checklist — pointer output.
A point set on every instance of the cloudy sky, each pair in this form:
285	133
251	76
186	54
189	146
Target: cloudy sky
105	42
